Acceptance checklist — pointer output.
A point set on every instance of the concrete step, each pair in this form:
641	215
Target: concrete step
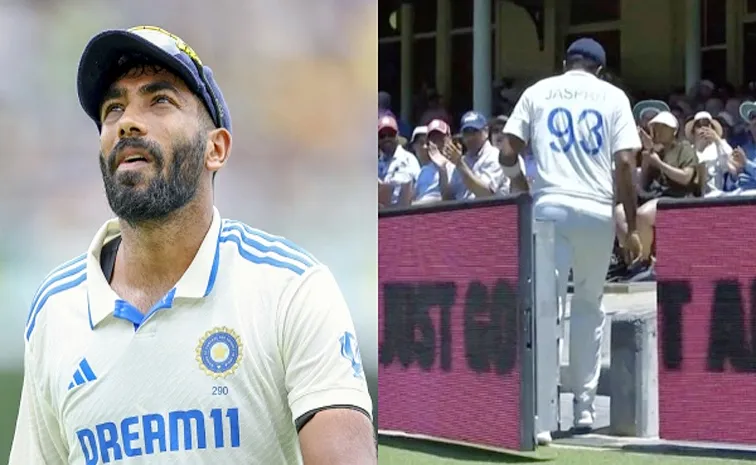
637	299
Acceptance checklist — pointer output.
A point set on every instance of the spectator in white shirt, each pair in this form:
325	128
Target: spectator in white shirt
434	172
477	173
706	135
397	168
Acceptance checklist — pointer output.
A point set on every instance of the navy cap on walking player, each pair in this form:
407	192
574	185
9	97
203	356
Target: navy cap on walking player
109	50
587	48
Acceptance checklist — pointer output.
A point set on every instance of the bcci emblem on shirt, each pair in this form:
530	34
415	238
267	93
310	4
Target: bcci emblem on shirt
219	352
351	351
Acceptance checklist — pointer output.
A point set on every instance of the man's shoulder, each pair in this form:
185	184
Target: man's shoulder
681	150
62	281
258	250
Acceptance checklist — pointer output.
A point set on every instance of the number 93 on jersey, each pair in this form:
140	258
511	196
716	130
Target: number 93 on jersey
581	130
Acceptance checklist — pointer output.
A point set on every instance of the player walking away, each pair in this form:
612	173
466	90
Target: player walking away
180	337
576	125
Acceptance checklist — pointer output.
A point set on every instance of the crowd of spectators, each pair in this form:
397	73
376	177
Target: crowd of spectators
696	144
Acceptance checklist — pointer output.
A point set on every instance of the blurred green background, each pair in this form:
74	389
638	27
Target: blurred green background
10	391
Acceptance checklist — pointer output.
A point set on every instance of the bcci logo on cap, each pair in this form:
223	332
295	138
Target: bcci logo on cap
351	351
219	352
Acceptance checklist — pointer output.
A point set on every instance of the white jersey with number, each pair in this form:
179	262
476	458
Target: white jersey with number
574	123
255	335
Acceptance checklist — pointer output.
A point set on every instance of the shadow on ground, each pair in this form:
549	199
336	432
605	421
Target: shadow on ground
456	452
718	452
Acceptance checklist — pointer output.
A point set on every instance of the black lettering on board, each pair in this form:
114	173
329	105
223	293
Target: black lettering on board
672	296
491	328
728	333
408	332
397	300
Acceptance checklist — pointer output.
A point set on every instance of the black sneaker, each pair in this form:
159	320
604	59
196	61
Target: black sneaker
617	269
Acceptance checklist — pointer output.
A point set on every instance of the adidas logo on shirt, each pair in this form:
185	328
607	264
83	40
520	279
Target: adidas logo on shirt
82	375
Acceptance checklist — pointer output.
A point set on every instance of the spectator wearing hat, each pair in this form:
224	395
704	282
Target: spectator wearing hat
477	173
418	143
741	174
740	132
747	113
433	179
713	152
668	169
397	168
645	110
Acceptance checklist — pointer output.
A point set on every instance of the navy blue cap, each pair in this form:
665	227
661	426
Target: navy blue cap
109	49
473	120
588	48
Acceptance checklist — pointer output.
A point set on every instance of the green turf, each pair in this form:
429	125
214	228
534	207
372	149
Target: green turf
393	451
10	391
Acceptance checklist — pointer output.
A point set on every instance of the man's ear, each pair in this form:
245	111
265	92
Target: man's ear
218	149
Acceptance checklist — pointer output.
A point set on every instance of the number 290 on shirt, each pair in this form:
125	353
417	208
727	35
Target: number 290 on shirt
567	130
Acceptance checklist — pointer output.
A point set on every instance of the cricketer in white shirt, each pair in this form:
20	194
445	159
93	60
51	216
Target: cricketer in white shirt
576	125
223	370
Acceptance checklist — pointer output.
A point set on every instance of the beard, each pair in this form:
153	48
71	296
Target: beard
166	193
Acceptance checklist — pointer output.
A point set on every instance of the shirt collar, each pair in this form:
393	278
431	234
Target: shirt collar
197	282
579	72
480	152
397	151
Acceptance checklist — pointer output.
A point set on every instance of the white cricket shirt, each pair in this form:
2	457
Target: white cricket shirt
575	123
400	168
253	336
